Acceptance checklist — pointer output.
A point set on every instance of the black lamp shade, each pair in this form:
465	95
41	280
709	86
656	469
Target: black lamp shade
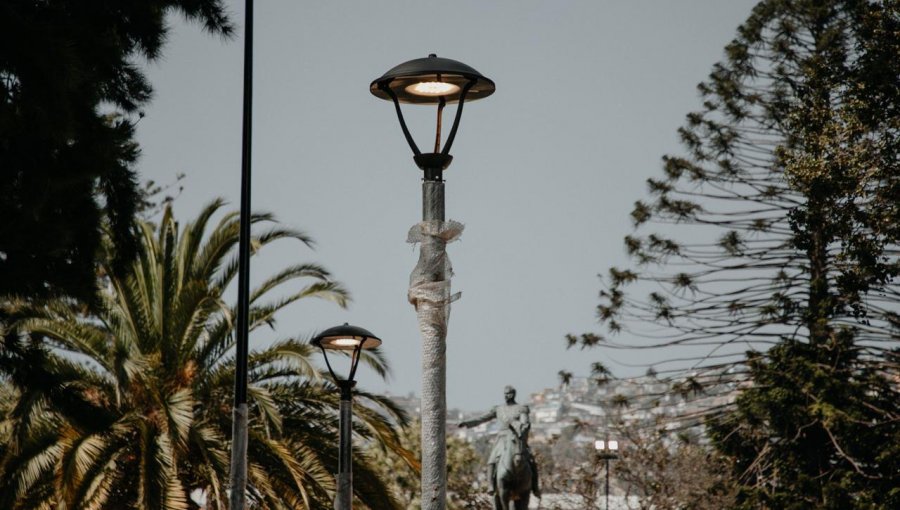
346	338
427	80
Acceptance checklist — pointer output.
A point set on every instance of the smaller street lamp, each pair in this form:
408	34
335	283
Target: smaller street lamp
352	339
606	451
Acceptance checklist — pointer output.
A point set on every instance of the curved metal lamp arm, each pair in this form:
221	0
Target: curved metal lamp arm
354	360
345	384
409	139
330	371
459	109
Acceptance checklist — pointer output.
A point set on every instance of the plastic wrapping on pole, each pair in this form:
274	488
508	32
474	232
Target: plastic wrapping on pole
238	475
429	293
344	498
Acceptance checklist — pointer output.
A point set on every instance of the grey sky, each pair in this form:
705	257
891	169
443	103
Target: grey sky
589	95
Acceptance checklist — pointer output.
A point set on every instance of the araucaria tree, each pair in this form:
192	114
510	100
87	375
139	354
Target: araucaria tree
775	262
130	407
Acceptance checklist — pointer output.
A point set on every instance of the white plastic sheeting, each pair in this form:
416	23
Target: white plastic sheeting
429	293
429	283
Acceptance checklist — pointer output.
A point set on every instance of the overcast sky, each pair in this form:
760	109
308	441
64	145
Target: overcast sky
545	172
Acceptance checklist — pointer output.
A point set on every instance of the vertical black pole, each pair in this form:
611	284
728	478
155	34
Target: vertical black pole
607	483
239	426
344	498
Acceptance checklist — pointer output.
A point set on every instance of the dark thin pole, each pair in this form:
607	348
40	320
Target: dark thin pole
344	497
437	136
239	426
607	483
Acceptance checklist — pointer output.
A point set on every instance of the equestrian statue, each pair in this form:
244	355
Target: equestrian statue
512	468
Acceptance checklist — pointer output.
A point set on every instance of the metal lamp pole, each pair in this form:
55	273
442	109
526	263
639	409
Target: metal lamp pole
354	340
433	81
608	449
238	475
344	498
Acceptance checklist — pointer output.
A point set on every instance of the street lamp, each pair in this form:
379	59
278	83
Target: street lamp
433	81
351	339
606	450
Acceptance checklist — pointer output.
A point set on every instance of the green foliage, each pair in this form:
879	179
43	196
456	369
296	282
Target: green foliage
131	406
653	469
570	468
465	489
668	471
70	93
816	430
782	233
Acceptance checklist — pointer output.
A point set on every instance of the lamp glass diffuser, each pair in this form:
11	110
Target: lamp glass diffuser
432	88
346	338
344	342
613	445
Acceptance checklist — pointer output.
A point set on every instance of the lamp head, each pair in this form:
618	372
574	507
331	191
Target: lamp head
611	445
346	338
430	79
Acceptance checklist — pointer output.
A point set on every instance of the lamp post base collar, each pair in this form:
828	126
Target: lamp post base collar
346	388
433	163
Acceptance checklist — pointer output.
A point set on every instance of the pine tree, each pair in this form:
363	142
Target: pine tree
70	92
777	269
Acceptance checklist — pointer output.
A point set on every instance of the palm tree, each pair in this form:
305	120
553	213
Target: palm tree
130	406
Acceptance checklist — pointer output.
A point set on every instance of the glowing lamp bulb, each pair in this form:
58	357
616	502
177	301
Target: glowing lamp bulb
345	342
432	88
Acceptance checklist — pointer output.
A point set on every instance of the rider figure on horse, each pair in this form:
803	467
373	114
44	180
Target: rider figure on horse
509	414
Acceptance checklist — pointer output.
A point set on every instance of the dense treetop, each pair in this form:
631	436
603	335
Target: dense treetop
71	89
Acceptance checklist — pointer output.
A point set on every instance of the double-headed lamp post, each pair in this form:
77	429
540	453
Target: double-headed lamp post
606	450
438	82
350	339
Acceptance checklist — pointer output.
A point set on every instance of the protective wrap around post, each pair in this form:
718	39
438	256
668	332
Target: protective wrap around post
238	475
429	283
429	293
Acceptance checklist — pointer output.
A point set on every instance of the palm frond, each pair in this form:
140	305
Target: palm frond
267	407
290	354
314	271
130	406
179	409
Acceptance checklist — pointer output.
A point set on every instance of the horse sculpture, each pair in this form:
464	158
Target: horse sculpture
512	482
